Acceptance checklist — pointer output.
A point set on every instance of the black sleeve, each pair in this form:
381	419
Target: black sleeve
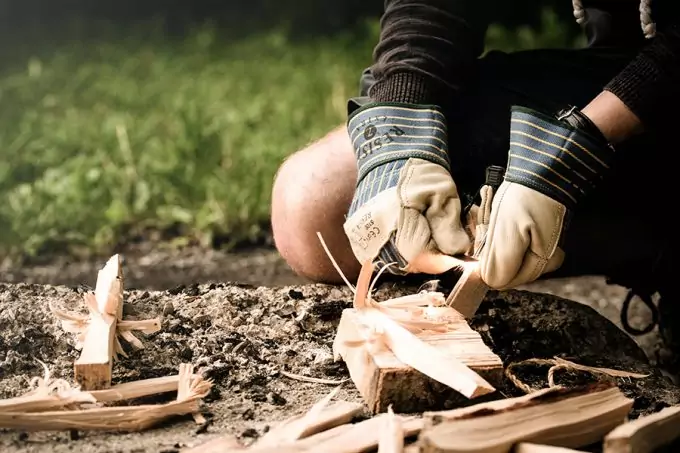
427	50
650	85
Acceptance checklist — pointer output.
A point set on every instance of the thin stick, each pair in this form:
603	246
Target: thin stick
313	380
335	264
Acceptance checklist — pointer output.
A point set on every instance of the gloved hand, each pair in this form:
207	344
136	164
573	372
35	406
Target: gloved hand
406	202
553	163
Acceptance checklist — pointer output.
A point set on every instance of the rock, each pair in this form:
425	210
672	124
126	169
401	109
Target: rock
520	325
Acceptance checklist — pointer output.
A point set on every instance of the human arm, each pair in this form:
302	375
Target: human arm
643	93
406	201
540	193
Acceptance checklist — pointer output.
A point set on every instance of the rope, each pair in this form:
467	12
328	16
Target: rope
579	11
646	22
554	367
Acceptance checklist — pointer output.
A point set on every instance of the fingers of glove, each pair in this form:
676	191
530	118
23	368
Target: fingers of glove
413	234
429	189
483	218
448	233
533	267
503	253
484	214
522	239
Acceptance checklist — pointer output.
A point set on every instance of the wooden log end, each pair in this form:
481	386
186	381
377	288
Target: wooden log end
383	380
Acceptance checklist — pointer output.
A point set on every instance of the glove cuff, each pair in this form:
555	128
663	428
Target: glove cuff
554	157
382	133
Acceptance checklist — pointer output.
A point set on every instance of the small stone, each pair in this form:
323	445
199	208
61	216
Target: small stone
295	294
248	414
168	309
276	399
250	432
186	354
286	310
256	315
322	357
202	320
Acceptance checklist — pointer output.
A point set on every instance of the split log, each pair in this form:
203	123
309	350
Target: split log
94	366
469	291
645	434
349	438
138	389
321	417
383	379
570	418
335	414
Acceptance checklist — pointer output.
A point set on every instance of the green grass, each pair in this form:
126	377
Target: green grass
102	140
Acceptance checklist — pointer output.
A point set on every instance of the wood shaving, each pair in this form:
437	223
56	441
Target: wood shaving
78	325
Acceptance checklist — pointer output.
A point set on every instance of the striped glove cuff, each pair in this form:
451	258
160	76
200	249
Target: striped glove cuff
383	133
551	156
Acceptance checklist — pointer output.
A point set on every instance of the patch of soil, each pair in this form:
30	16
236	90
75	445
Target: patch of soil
162	267
241	336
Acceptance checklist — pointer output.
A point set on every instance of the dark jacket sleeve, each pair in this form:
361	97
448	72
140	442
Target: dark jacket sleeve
427	50
650	85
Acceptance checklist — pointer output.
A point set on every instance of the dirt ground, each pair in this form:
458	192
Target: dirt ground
241	318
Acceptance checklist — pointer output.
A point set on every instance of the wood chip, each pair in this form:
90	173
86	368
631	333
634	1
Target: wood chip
570	418
469	291
98	332
645	434
391	434
138	389
93	367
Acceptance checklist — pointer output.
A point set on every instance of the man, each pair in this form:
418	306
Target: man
585	137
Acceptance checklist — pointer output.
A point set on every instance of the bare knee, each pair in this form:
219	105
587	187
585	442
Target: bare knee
312	192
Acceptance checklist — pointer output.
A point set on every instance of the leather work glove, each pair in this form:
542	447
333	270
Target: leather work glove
553	163
406	202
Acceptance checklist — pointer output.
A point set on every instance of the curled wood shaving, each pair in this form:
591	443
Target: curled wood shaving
557	364
413	314
46	394
78	325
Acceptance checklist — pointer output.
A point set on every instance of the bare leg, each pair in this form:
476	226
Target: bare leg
312	193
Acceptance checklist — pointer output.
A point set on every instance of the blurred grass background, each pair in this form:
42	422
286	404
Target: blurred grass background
134	131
